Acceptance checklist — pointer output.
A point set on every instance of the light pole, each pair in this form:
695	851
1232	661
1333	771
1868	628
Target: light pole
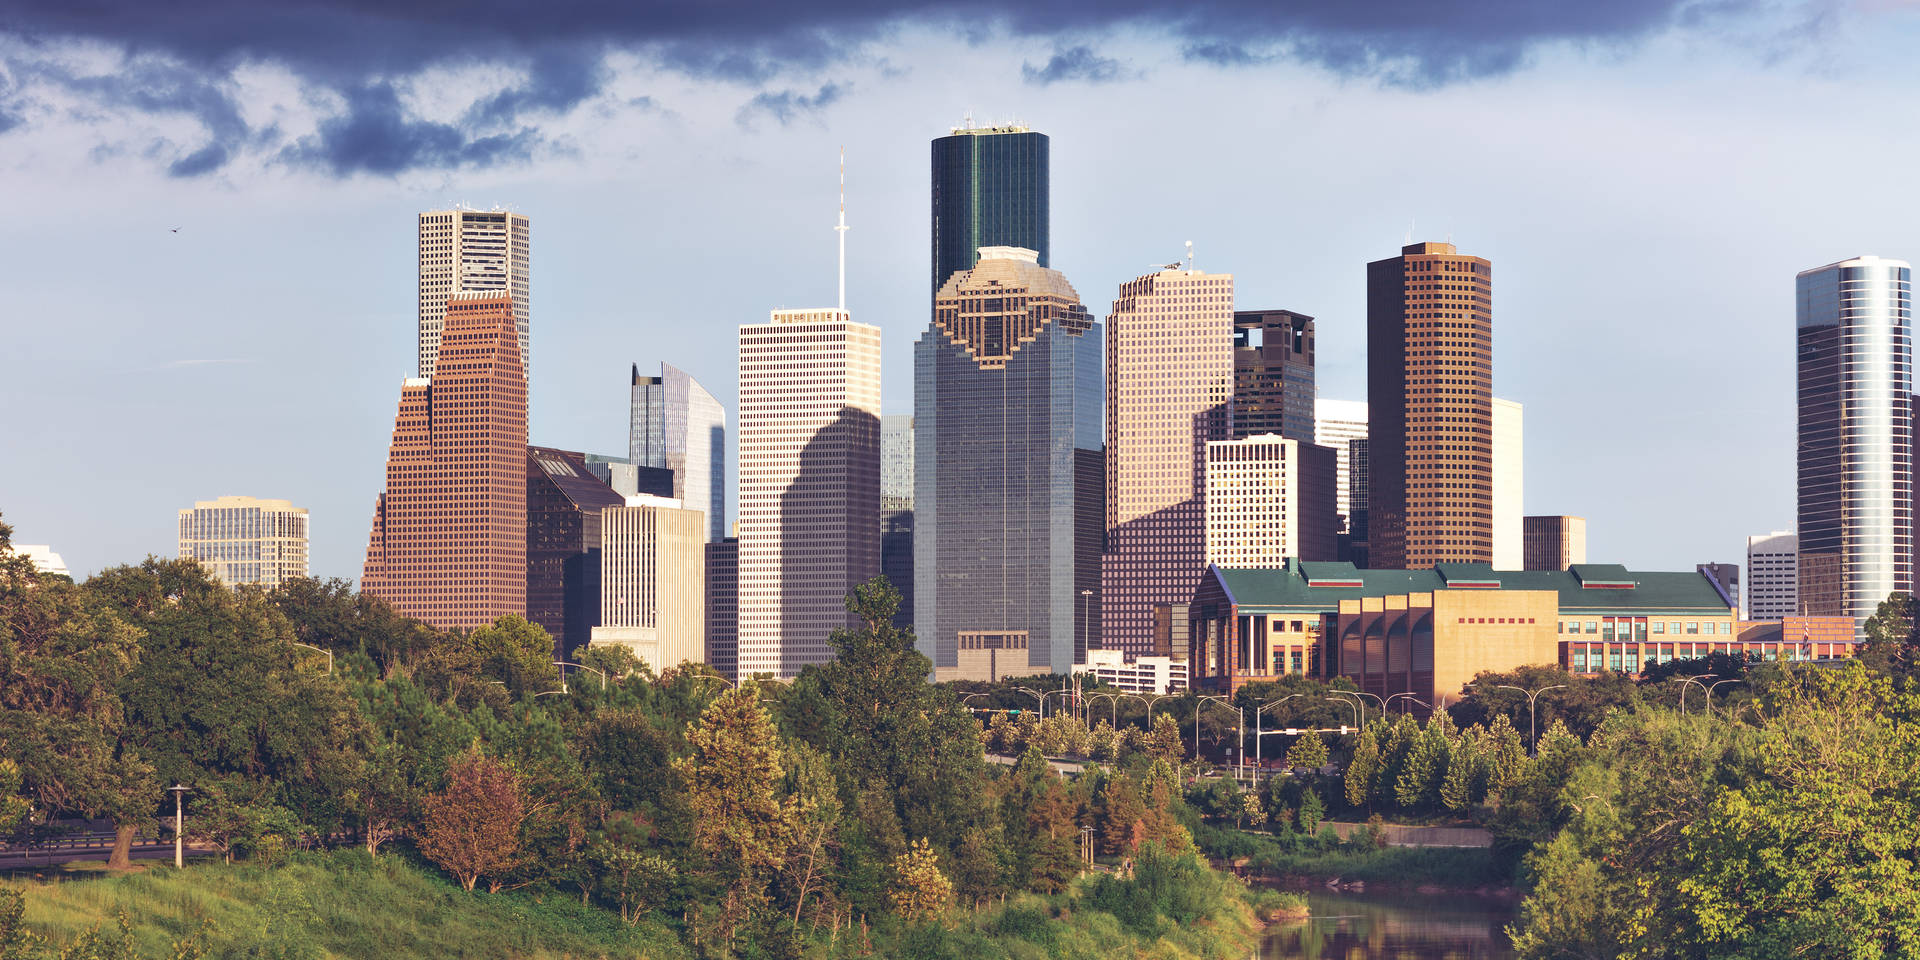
1533	728
1683	689
1409	696
1354	704
1224	701
1258	758
324	650
1037	695
1715	684
1363	705
569	663
179	826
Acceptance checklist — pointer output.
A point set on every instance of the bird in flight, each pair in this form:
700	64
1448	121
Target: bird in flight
176	229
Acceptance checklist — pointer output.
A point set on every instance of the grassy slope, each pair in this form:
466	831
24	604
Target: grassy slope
336	905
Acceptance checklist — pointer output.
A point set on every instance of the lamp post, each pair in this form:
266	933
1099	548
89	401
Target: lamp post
1683	690
569	663
1712	686
1037	695
324	650
179	826
1363	705
1533	728
1354	705
1409	696
1224	701
1258	757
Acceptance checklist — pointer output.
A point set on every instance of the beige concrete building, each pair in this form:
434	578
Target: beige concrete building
1509	485
1555	543
463	251
1269	499
1169	379
653	581
809	465
246	540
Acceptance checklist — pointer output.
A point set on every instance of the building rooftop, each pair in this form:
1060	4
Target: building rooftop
1321	585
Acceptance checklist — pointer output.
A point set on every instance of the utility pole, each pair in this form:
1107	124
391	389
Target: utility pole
179	825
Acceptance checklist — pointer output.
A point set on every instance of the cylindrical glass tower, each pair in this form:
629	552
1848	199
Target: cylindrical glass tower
989	190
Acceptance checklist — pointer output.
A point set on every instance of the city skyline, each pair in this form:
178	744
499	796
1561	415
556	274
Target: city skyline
1725	321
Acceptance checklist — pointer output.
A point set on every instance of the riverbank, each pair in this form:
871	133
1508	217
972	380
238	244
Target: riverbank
1299	862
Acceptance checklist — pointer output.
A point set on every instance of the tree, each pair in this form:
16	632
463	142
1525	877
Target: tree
978	867
1312	811
1506	756
1309	752
633	875
472	828
742	825
1122	812
1164	742
1456	786
1892	644
920	889
1362	769
63	719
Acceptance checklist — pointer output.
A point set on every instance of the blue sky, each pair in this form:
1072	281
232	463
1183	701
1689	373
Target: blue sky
1646	178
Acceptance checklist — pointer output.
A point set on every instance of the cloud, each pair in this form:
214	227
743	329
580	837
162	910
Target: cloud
788	105
1074	63
202	362
181	56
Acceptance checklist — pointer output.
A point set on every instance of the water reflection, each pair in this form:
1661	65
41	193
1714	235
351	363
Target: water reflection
1383	926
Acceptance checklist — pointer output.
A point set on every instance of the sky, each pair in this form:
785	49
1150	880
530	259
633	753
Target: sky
207	252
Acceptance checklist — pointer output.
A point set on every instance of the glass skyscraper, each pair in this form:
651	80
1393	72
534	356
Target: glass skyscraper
676	424
1008	476
1854	326
989	190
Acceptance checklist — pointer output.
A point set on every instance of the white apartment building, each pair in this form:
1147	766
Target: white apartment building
1139	675
246	540
1773	576
809	493
1509	484
467	250
1334	423
653	581
1269	499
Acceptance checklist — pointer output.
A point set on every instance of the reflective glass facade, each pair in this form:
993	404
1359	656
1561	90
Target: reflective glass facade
675	424
989	189
1008	475
1855	454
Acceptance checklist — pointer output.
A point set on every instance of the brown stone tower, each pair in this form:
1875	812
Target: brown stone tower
449	540
1430	400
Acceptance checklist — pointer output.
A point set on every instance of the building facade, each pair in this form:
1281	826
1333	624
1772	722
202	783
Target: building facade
479	252
1773	576
723	607
1137	674
1335	423
809	508
1269	499
653	581
1554	543
990	189
246	540
1430	408
449	538
1725	577
564	500
1273	380
1007	413
896	510
675	424
44	559
1509	486
1854	327
1427	633
1169	392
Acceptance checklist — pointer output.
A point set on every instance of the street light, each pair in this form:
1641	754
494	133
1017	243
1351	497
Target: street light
569	663
1354	704
1363	706
1410	697
1224	702
1683	689
324	650
1716	683
1533	726
179	826
1037	695
1257	757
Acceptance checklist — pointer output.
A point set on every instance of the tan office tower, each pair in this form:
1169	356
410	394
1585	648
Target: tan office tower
1269	500
449	539
809	506
1555	543
469	251
653	581
1509	485
1169	379
1429	409
245	540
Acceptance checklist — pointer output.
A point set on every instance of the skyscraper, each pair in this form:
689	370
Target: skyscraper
474	251
449	538
653	581
990	189
676	424
1773	576
1509	485
1269	500
246	540
723	606
1007	442
1169	383
1854	324
896	461
896	511
564	500
1554	542
1273	387
1334	423
809	482
1430	408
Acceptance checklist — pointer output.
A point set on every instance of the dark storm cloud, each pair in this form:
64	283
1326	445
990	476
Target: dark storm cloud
1073	63
357	47
788	105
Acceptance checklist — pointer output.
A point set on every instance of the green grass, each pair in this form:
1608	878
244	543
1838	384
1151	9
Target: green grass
340	904
1325	857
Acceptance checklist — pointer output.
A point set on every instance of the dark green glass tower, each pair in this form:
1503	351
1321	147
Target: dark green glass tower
989	190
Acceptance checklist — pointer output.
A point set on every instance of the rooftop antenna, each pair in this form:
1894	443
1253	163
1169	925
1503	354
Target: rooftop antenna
841	229
1189	256
1410	225
969	118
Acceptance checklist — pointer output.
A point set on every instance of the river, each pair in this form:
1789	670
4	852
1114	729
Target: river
1400	926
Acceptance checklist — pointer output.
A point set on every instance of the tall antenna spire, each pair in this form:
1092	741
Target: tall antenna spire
841	229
